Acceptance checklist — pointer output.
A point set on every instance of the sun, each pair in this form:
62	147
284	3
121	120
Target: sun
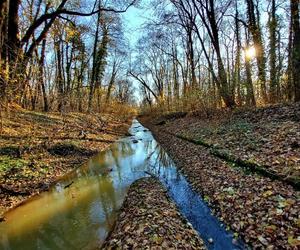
250	52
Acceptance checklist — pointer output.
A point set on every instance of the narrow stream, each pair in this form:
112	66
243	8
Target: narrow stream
80	216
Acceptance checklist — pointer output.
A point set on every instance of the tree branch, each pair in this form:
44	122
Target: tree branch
60	11
142	81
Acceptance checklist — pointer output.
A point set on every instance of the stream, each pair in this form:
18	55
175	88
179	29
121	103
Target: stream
80	210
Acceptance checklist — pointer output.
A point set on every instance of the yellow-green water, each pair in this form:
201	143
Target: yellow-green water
80	216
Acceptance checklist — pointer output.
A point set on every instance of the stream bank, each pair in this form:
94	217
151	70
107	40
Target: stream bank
148	219
81	209
36	148
263	212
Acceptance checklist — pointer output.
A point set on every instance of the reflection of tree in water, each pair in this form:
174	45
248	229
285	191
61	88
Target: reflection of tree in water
44	241
126	149
123	150
149	146
104	160
156	161
159	163
108	201
56	241
57	234
68	230
99	163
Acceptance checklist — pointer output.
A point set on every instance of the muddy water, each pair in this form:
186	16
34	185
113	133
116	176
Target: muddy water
80	210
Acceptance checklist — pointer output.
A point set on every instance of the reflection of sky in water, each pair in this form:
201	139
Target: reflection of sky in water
80	216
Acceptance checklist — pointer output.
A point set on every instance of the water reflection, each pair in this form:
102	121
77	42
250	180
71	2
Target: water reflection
80	216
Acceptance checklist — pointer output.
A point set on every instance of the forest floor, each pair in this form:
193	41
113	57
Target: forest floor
37	148
232	159
148	219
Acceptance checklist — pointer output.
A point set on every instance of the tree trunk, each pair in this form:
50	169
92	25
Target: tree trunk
237	73
296	48
289	71
273	56
175	72
250	98
190	46
3	55
255	30
3	26
210	22
41	72
94	70
59	77
13	31
111	82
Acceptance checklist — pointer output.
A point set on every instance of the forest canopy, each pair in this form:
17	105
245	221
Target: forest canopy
209	53
74	55
54	54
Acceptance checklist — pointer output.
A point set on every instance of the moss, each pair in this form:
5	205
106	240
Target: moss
247	165
8	163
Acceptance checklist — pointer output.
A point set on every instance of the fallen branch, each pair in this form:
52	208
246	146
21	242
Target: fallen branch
69	185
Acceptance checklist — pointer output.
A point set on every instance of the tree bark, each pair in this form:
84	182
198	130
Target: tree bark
13	31
3	26
42	81
237	73
255	30
59	77
250	98
93	75
111	82
273	57
295	48
208	17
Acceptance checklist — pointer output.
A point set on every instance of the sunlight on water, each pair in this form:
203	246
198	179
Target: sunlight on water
80	216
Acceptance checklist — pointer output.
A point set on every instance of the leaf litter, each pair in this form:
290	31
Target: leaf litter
148	219
37	148
263	212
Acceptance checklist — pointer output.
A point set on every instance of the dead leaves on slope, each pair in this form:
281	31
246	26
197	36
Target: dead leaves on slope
149	220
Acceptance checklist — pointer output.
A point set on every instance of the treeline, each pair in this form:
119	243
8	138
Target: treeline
213	53
63	55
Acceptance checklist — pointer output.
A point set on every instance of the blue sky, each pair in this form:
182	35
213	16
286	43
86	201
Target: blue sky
134	19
